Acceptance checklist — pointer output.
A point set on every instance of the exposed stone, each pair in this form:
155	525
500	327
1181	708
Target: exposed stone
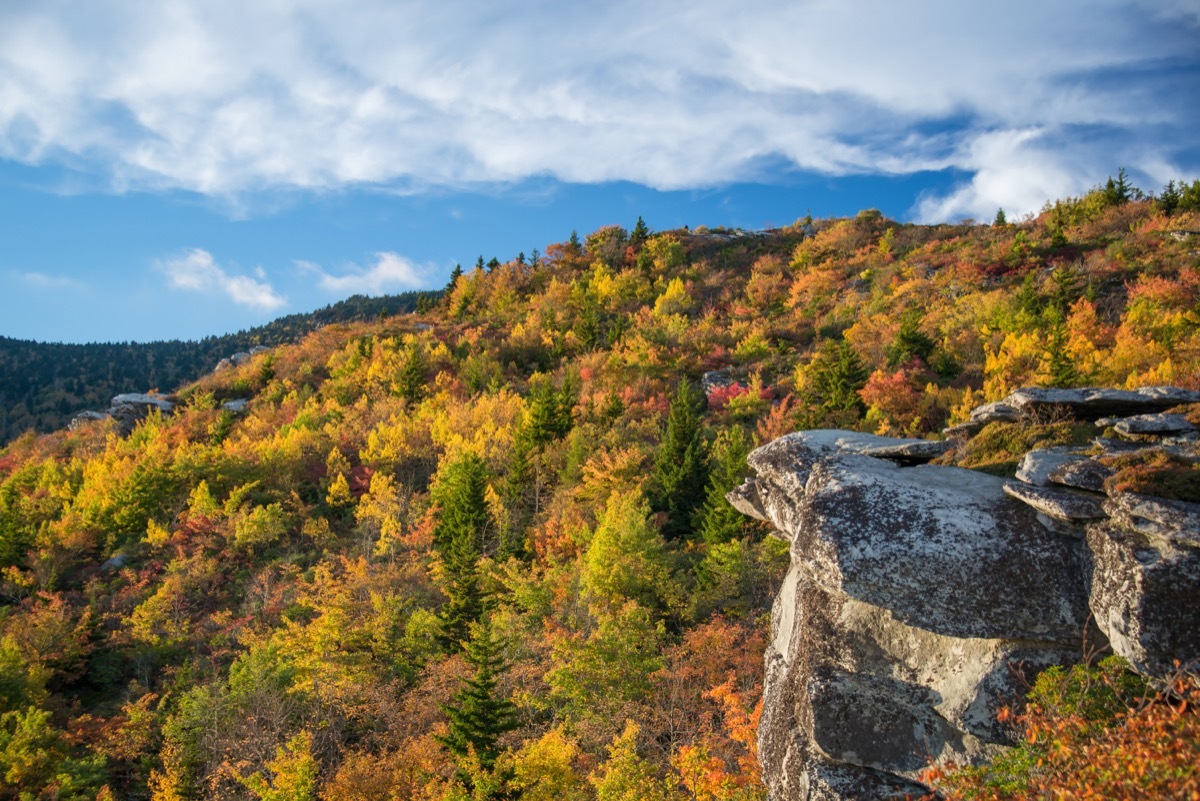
1143	596
116	562
1059	504
714	379
131	408
1153	425
236	406
996	412
1087	474
1090	403
1036	466
1176	522
910	593
910	453
224	364
85	418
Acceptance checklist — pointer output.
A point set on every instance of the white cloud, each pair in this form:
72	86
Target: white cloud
55	283
196	271
389	273
226	98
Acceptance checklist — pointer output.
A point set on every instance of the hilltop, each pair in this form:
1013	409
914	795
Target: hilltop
483	549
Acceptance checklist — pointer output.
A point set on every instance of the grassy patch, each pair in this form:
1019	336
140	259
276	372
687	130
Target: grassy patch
999	447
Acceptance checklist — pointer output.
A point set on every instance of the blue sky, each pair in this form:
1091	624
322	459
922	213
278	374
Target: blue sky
184	168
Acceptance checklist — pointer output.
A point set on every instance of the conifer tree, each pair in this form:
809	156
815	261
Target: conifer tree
478	716
455	274
837	375
719	521
640	233
459	536
411	382
680	465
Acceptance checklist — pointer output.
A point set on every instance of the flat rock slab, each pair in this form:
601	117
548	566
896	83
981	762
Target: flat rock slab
138	399
910	453
1176	522
1087	474
1153	425
1070	507
1036	466
1089	403
1144	597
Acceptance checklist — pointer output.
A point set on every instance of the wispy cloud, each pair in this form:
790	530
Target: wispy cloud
197	271
390	272
56	283
227	98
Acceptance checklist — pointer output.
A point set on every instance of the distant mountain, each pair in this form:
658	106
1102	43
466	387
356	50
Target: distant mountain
43	385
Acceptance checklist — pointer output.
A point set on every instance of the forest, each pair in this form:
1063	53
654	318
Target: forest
482	550
44	384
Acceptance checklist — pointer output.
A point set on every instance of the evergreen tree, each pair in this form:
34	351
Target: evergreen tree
411	382
459	536
517	483
1061	370
550	409
1001	219
909	342
640	233
837	375
576	246
680	464
719	521
455	274
478	716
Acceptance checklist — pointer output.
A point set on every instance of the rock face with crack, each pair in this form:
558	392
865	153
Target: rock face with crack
920	596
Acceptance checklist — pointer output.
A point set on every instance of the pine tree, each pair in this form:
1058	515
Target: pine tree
837	375
719	521
909	342
1001	219
411	382
459	536
680	465
478	716
640	233
455	274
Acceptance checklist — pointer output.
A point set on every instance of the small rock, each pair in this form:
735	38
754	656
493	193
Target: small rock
1154	425
83	418
910	453
117	562
1059	504
236	406
714	379
997	412
1177	522
241	357
224	364
1036	466
1087	474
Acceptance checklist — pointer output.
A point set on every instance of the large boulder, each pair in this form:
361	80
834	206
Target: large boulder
911	592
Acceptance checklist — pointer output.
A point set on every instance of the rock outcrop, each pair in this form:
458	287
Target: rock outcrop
127	410
921	597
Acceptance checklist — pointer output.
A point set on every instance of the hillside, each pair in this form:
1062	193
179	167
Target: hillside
44	384
484	551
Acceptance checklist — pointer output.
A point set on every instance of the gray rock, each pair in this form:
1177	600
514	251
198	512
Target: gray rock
131	408
995	412
714	379
1143	596
1036	466
257	349
85	418
236	406
911	591
239	358
1059	504
1153	425
223	365
1173	522
1087	474
910	453
137	399
117	562
1090	403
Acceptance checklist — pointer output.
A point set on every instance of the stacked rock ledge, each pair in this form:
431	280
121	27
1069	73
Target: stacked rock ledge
917	593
